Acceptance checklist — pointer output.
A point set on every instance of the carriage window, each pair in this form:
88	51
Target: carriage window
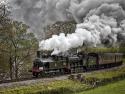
117	58
104	57
101	58
120	57
111	58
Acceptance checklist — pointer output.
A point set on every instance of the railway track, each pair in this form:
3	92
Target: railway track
44	80
32	78
26	82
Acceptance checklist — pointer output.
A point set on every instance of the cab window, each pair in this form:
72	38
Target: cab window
92	60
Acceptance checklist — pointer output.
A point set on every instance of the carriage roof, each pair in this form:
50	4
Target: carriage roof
108	54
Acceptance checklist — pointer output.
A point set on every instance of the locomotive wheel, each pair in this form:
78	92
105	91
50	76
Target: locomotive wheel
35	74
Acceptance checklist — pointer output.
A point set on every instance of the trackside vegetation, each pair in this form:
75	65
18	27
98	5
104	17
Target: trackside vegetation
99	78
114	88
56	87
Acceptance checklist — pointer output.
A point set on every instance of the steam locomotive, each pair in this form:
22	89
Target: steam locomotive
47	65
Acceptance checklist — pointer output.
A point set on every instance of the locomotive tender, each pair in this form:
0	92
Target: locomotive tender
47	65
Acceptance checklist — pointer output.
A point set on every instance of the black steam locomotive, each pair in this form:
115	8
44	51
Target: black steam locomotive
65	64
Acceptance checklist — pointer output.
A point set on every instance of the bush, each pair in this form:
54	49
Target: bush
71	77
91	81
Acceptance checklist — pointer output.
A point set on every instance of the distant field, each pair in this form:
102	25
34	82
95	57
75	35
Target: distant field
114	88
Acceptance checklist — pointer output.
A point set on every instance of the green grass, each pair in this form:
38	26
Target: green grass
56	87
107	74
114	88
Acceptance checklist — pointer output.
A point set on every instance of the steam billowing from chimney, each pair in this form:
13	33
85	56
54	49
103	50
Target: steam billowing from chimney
94	31
99	21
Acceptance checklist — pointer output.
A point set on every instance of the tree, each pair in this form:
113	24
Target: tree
16	42
23	44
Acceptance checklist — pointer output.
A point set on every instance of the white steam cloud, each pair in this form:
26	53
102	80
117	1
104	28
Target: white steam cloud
99	23
39	13
93	31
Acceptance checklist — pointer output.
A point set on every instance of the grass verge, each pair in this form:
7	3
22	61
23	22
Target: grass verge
114	88
98	78
56	87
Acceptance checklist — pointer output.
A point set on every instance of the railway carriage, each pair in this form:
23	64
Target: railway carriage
47	65
103	60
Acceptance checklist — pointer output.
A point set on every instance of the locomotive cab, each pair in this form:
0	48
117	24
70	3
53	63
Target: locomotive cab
92	61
